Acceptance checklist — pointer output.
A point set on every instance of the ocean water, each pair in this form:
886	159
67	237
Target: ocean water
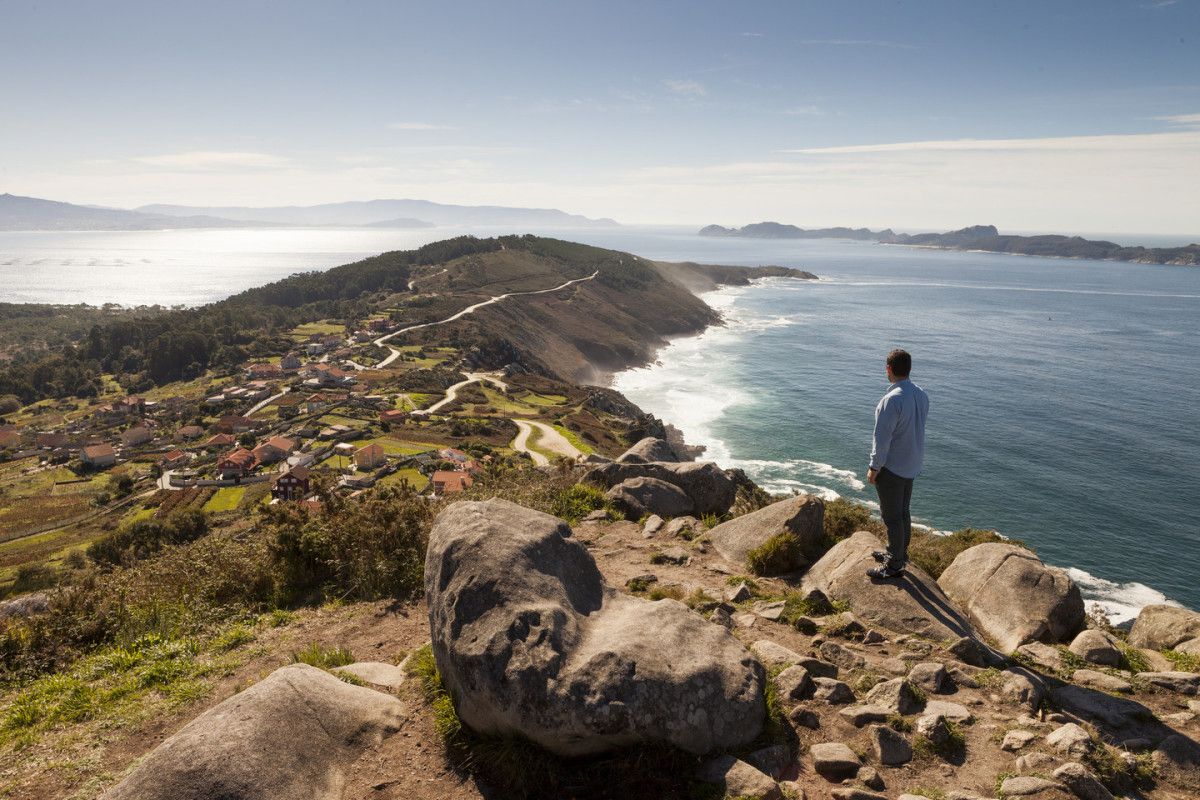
1063	399
1064	393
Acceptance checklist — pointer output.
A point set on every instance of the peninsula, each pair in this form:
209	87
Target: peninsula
978	237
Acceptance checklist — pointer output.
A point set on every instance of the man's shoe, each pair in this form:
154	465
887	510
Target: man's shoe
882	556
884	573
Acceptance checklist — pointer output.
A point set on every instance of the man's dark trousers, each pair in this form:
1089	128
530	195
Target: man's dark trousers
895	493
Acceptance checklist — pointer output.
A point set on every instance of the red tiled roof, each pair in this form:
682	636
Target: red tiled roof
452	481
98	451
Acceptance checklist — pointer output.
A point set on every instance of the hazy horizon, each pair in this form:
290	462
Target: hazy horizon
1028	117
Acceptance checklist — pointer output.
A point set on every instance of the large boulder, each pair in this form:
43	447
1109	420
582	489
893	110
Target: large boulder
1013	597
637	497
711	490
802	516
910	604
529	640
294	734
1162	627
649	449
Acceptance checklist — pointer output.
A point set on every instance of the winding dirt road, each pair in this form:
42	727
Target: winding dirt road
548	439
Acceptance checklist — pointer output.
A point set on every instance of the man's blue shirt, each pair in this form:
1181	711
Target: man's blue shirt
899	440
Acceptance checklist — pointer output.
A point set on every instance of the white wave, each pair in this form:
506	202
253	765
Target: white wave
1120	601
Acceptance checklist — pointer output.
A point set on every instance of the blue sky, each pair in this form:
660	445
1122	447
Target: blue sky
1077	116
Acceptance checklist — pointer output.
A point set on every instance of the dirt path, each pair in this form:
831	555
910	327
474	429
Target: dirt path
452	392
382	340
548	439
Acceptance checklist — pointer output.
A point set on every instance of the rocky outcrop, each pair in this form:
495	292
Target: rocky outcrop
1163	627
1012	597
529	640
649	449
293	734
913	603
710	489
637	497
802	517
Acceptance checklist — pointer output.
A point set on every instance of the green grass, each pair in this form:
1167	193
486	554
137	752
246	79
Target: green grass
576	441
535	399
227	498
777	555
414	477
324	657
323	328
1184	662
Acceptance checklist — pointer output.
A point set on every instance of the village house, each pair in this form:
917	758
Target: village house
393	416
189	432
291	485
235	423
450	454
290	362
98	456
10	439
288	406
138	434
274	449
263	370
370	456
450	482
51	439
315	403
237	464
220	441
173	459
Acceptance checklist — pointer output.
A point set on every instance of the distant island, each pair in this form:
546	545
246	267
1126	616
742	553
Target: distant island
977	237
36	214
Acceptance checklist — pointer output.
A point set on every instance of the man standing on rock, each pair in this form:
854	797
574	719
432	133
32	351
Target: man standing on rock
897	453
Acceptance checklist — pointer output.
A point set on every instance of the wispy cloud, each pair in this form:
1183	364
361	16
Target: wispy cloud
1142	141
1182	120
687	88
858	43
752	35
214	160
1160	4
804	111
419	126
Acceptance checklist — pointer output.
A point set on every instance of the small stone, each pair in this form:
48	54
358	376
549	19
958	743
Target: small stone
794	684
851	793
1181	682
640	582
770	611
745	620
1081	783
1015	740
1070	739
1137	745
770	653
963	674
843	656
929	675
806	625
874	637
672	555
934	728
739	779
863	714
804	718
793	790
1028	721
973	652
376	673
953	712
1043	655
1023	688
720	615
1101	680
1034	762
1096	647
818	668
653	524
890	747
895	666
846	626
681	526
1024	786
1179	718
738	594
772	760
832	691
896	695
870	777
599	515
834	761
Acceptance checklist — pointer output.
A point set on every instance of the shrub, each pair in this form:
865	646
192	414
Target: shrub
843	517
934	553
779	554
141	539
1184	662
672	591
324	657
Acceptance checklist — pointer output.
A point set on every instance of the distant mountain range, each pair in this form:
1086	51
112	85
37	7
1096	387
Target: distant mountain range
977	237
35	214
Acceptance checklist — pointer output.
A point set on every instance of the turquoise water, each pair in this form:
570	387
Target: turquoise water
1063	392
1063	398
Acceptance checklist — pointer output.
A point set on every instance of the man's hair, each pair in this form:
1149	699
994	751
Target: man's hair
900	362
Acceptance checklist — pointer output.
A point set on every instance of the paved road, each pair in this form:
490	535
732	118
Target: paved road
264	403
382	340
452	392
549	439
